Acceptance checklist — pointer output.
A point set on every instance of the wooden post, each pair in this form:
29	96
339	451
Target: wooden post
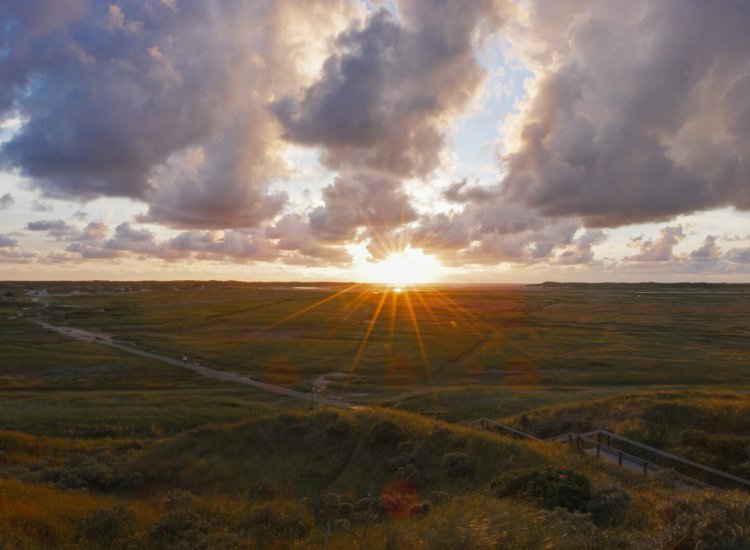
598	449
570	439
645	468
619	459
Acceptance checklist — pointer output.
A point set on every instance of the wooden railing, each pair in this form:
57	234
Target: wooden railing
682	466
688	472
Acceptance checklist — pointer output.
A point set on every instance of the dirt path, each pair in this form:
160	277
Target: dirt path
104	340
471	351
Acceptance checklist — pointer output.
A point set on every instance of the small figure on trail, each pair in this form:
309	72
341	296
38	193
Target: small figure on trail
184	360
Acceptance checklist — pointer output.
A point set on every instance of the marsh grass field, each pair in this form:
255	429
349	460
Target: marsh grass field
168	458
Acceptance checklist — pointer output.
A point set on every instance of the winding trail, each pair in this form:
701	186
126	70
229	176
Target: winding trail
473	350
104	340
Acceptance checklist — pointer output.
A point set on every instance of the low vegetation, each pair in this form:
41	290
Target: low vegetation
101	449
712	428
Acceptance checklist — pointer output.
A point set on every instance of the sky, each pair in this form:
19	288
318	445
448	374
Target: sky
488	141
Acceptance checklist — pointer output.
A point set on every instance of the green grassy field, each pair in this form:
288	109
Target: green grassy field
93	435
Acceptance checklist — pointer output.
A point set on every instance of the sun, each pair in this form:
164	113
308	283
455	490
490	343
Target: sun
408	267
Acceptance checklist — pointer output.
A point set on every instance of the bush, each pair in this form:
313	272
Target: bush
666	478
385	433
398	498
609	505
109	527
278	524
176	499
438	496
551	488
97	472
180	528
702	521
457	465
414	476
421	509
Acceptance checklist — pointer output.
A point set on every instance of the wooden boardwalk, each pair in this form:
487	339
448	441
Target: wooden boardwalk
631	455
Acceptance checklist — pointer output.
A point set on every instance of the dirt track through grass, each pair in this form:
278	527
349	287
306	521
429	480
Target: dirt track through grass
104	340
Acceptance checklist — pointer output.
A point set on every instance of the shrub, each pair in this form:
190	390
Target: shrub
457	465
609	505
665	478
398	498
176	499
551	488
386	433
278	524
438	496
339	428
180	528
109	527
414	475
702	521
421	509
97	472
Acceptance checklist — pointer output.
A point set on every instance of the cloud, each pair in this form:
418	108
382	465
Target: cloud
381	110
238	245
385	96
6	201
7	242
738	256
159	101
462	192
292	233
629	118
11	253
39	206
92	231
16	256
360	200
657	250
54	228
580	252
709	251
490	232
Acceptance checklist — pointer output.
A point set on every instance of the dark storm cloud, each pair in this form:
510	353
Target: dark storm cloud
165	102
631	116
